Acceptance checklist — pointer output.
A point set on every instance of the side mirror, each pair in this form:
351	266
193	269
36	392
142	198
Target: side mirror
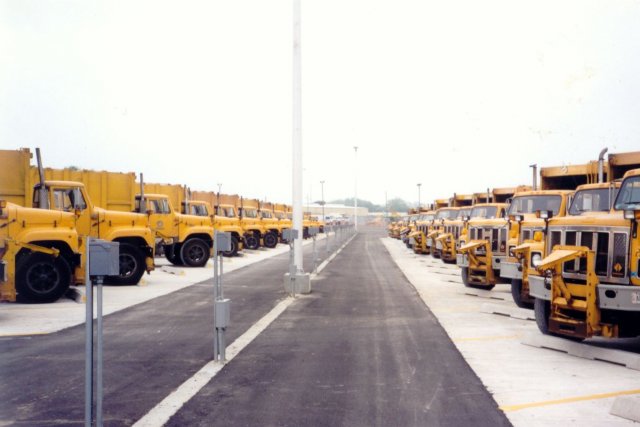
546	215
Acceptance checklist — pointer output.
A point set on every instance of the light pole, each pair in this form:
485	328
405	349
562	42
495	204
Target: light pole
322	196
419	185
219	187
355	200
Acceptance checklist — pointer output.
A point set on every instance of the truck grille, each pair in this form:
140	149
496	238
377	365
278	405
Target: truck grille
496	236
610	265
454	230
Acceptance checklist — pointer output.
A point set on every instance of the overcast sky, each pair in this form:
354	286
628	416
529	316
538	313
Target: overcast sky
456	95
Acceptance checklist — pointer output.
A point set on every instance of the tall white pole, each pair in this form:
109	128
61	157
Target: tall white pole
355	202
297	138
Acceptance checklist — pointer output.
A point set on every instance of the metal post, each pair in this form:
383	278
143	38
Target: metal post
216	337
355	204
99	375
419	185
297	138
88	346
535	176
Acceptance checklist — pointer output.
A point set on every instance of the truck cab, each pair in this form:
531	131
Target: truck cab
186	239
587	283
40	253
130	230
527	232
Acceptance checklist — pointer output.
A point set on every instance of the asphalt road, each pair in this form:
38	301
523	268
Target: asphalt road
363	350
150	349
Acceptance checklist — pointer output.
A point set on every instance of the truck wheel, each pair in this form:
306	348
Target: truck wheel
464	274
234	248
172	254
42	278
270	240
251	241
435	253
132	266
195	253
542	310
516	293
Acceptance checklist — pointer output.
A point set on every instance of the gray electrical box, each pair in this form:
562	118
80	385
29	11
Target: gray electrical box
313	231
222	311
223	241
289	234
104	258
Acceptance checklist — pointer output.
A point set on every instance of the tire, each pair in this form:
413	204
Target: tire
435	253
195	252
234	248
172	254
516	293
464	273
251	242
542	310
42	278
270	240
132	266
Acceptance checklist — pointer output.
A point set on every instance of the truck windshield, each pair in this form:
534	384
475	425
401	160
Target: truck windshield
250	213
532	204
67	199
463	212
488	212
199	210
594	200
266	214
447	214
227	212
629	194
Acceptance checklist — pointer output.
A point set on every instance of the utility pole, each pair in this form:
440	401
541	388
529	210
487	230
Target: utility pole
355	200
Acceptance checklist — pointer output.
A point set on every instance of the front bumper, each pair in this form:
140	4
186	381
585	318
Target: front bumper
510	270
462	260
538	289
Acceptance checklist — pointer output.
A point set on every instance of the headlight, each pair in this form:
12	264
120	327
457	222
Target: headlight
536	258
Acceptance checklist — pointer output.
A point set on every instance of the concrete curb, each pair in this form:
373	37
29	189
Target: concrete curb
584	350
626	407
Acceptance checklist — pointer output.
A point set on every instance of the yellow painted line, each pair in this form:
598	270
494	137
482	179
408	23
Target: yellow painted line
488	338
24	334
511	408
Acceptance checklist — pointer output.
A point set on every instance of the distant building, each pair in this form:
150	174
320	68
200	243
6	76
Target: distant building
336	211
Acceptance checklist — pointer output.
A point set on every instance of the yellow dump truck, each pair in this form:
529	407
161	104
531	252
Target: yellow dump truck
527	232
40	253
220	222
50	193
186	239
588	284
131	230
437	227
226	216
280	212
447	242
254	230
408	226
485	245
419	235
270	224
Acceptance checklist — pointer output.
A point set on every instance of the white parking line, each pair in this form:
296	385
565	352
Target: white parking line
164	410
170	405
